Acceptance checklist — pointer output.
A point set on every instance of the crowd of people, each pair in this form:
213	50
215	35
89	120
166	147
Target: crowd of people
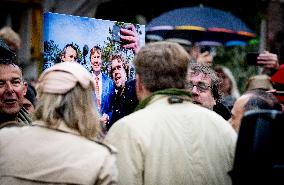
177	122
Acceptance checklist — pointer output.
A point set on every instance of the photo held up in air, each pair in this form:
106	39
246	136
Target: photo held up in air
106	49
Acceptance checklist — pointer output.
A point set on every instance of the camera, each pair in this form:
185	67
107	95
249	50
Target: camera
116	33
251	58
210	49
205	48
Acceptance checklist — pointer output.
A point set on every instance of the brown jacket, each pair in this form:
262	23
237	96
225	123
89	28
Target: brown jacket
36	155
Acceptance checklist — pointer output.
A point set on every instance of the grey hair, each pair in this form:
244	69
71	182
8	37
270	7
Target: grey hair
199	68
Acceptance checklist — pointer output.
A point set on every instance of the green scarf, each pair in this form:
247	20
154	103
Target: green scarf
171	92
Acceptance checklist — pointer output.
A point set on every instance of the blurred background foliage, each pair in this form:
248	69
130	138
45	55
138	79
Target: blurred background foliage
235	59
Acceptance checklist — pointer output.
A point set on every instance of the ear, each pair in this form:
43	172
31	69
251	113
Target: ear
25	88
138	87
141	91
137	82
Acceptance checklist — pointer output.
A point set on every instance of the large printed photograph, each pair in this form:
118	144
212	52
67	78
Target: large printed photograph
106	49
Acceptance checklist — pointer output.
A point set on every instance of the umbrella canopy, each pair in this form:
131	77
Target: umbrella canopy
200	24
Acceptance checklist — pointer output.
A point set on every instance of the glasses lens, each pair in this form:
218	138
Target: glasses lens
202	86
189	85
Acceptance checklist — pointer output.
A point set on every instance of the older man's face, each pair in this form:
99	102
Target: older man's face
12	90
70	55
199	85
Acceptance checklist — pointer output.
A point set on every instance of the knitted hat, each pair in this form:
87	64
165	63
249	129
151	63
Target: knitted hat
62	77
5	51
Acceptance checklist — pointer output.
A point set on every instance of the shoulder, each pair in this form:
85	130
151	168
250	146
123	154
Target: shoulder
110	148
133	125
217	122
12	127
107	79
11	124
131	82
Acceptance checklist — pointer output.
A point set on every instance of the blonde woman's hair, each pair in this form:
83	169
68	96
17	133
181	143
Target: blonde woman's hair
234	91
75	109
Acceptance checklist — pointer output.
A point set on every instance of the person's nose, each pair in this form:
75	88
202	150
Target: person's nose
195	90
116	70
9	87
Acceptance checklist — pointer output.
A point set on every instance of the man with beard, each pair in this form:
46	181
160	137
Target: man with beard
125	99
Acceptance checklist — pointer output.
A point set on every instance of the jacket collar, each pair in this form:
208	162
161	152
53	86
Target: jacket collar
62	127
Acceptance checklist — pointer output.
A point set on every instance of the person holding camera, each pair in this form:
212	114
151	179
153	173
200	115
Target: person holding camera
202	54
268	60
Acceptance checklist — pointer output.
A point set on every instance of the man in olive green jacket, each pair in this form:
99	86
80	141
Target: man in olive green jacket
170	140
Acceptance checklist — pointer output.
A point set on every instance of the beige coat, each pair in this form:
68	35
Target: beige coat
173	144
36	154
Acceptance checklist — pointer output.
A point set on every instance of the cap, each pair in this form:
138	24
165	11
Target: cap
5	51
259	82
62	77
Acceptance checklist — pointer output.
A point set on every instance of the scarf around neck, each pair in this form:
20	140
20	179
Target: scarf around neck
170	92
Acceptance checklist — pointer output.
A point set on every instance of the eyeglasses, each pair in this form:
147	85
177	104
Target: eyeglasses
201	86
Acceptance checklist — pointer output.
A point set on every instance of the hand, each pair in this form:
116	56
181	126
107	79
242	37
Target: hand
268	60
104	119
130	37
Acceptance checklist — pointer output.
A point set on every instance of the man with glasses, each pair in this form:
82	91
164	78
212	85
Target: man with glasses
203	82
